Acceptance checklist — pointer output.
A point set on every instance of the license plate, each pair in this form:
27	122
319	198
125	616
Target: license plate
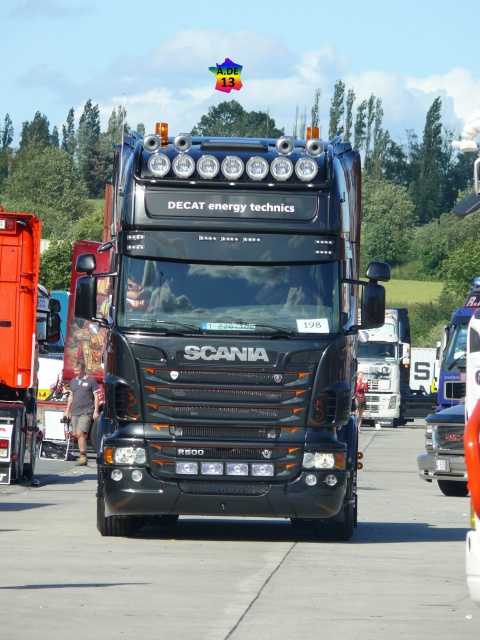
442	464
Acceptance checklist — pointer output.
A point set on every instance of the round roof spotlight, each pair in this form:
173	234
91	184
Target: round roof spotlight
314	147
285	145
182	142
183	166
257	168
208	167
232	167
281	168
159	164
151	143
306	169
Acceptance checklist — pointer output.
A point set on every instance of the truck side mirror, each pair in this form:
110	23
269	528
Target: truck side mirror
373	306
53	326
54	305
86	263
378	271
86	297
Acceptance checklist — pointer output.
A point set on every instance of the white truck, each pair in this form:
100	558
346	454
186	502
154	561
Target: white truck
384	359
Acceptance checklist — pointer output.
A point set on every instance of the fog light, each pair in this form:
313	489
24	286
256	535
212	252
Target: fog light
237	469
257	168
159	165
137	475
116	475
232	167
208	167
212	468
183	166
331	480
262	469
281	168
311	480
186	468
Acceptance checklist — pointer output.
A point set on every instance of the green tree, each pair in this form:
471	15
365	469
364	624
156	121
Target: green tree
69	141
461	267
36	132
43	180
360	126
316	109
387	222
337	109
56	265
230	119
349	115
6	133
88	149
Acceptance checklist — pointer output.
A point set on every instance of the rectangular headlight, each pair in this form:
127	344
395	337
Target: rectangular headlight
266	470
186	468
237	469
212	468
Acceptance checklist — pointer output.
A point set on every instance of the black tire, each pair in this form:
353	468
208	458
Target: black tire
113	526
29	468
338	530
453	488
18	465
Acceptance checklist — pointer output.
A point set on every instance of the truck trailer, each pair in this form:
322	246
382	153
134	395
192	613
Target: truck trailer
231	348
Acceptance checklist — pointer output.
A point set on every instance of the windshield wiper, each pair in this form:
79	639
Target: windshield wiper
152	321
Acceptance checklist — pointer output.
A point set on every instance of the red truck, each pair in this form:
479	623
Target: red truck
22	327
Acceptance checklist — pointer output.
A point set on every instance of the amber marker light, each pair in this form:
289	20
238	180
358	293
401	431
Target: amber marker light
161	129
108	455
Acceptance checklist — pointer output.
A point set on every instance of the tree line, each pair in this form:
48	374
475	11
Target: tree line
409	188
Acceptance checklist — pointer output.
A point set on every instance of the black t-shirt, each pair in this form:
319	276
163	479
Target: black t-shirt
83	394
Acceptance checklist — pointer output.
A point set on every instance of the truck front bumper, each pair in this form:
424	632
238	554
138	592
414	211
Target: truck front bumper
437	466
152	496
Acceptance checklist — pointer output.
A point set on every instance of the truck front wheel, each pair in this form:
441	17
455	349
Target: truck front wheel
118	526
453	488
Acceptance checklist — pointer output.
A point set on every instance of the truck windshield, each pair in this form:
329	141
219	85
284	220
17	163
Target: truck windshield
268	298
377	351
456	351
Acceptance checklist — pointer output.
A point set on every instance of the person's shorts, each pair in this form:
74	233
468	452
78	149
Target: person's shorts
82	422
361	403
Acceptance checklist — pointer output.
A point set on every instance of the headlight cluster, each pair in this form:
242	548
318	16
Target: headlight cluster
233	167
261	469
321	460
125	455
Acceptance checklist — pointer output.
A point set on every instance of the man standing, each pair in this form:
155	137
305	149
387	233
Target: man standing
82	406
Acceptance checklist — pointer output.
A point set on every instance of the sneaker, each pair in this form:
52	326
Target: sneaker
82	461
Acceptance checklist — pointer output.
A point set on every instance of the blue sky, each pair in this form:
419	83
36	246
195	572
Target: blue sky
56	54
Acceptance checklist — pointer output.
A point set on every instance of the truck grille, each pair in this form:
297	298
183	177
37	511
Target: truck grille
275	398
224	488
450	437
454	390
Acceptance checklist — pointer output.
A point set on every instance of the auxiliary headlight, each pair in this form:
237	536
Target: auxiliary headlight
208	167
129	455
281	168
159	164
257	168
183	166
186	468
306	169
232	167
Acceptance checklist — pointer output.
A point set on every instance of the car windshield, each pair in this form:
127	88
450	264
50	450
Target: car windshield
377	351
456	351
268	298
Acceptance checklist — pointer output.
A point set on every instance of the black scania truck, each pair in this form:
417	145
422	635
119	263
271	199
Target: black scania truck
231	352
